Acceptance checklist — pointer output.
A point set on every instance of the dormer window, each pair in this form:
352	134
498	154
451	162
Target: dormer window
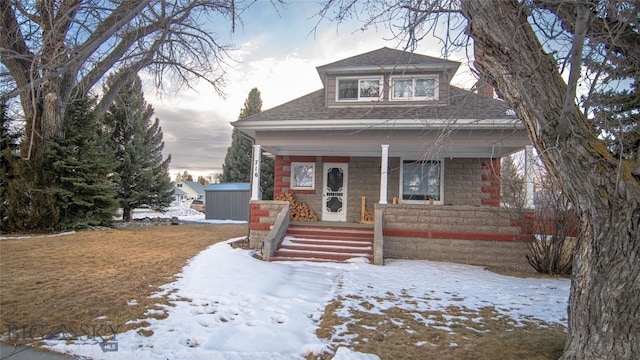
407	88
359	89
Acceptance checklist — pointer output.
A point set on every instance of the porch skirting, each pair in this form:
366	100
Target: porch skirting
476	235
473	252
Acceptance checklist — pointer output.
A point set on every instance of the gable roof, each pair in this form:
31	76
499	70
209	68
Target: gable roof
388	60
310	112
195	186
178	191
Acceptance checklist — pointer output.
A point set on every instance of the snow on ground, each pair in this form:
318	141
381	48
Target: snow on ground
229	305
181	210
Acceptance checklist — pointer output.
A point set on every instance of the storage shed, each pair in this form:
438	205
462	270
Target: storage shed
228	201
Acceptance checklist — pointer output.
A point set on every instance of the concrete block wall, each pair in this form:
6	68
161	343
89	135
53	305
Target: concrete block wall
364	180
471	181
263	214
479	235
282	181
474	182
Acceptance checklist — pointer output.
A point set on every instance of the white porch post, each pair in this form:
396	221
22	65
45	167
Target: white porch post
255	177
384	166
528	176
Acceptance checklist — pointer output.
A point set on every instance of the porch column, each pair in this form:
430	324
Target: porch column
384	166
255	177
528	176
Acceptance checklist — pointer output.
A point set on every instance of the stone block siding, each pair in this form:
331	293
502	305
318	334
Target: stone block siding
472	182
282	181
473	252
364	180
262	216
464	234
466	182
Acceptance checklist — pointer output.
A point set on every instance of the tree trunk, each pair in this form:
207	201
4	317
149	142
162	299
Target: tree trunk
127	214
604	305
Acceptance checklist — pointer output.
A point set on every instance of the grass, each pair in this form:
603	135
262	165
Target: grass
105	277
458	333
95	278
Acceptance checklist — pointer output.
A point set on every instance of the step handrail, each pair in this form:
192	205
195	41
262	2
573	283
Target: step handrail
276	235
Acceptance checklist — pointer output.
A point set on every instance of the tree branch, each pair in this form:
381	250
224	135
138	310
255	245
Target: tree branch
582	20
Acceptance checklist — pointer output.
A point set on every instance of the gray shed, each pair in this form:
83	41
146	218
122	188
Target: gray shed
228	201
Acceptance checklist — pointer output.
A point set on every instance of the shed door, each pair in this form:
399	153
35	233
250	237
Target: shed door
334	194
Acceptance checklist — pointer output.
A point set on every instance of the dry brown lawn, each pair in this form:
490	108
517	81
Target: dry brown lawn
107	277
96	277
459	333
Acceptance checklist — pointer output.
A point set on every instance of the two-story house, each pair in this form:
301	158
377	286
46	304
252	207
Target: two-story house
388	126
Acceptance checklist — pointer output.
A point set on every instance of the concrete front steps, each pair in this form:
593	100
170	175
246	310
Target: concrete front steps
325	243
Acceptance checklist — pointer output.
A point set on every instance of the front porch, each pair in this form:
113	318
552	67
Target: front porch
463	234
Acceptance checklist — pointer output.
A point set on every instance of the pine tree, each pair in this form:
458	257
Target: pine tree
8	143
237	162
80	165
141	176
620	104
512	184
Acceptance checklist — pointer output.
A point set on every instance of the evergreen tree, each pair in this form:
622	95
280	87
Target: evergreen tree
141	175
512	184
237	162
266	176
8	143
616	109
80	165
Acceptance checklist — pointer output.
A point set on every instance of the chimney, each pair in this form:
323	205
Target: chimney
484	88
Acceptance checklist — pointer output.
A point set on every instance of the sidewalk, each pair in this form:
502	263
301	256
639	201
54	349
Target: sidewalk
9	352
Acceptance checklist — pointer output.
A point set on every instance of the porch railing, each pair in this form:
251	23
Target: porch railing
279	229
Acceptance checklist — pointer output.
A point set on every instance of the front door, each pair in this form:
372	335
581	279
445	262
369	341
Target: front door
334	194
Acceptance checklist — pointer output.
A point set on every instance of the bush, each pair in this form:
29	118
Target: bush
552	256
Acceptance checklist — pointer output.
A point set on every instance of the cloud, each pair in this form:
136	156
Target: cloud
280	60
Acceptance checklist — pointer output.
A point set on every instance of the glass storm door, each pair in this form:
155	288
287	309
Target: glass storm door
334	195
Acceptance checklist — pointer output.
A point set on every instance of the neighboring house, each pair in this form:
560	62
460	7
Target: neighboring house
389	127
179	194
188	190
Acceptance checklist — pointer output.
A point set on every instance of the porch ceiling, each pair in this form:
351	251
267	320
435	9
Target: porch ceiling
402	143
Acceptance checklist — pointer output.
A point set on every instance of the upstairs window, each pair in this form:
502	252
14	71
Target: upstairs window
422	181
414	88
357	89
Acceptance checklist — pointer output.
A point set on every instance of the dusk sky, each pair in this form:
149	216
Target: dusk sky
276	52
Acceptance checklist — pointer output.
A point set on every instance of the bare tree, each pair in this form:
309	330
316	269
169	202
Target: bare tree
54	49
522	47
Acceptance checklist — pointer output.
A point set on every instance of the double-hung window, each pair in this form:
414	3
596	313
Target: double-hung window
414	88
422	181
359	89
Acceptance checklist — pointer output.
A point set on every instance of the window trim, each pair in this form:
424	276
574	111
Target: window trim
360	78
292	183
435	202
436	88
